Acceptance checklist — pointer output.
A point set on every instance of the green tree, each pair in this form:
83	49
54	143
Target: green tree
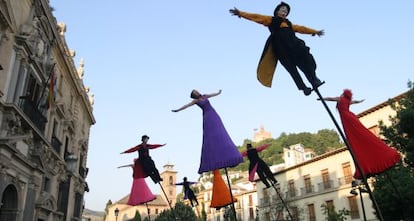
181	212
332	215
137	216
203	216
393	189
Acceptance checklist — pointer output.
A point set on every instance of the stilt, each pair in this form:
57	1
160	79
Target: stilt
283	202
169	202
148	212
231	195
358	167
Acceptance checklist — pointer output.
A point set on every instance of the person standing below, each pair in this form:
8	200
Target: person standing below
218	150
257	165
188	192
283	45
145	159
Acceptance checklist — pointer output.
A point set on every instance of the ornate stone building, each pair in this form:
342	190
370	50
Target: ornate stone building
45	117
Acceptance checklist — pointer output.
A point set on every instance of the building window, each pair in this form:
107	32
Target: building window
330	207
156	211
311	212
346	167
295	213
291	188
353	206
325	179
251	213
308	184
46	184
250	200
171	180
279	215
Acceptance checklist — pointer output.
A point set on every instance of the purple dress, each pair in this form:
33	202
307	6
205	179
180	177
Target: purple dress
218	150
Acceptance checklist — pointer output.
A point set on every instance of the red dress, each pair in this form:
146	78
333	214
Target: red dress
373	155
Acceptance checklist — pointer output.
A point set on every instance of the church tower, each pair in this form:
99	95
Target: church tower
169	177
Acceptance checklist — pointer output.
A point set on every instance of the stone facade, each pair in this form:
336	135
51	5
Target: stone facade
45	117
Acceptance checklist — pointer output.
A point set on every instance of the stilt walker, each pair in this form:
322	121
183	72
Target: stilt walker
140	193
218	150
379	158
257	165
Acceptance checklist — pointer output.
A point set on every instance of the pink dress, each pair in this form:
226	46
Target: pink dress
140	193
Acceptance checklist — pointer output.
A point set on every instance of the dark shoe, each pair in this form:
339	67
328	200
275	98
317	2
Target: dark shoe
317	83
307	91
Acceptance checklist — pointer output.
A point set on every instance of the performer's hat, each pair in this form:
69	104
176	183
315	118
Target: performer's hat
280	5
144	137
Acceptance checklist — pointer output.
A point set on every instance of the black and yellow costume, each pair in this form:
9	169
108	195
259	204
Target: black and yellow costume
283	45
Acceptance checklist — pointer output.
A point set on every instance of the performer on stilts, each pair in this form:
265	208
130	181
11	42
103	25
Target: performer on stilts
140	193
188	192
218	150
145	160
373	154
283	45
257	165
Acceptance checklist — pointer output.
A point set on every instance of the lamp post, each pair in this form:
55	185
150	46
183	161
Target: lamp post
116	211
361	188
70	161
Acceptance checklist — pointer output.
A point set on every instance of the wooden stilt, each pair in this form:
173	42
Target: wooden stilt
169	202
283	201
231	196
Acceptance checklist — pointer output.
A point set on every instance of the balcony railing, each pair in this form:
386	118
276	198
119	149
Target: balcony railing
33	113
307	190
325	185
291	193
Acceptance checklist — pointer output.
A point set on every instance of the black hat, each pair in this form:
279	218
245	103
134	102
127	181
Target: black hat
144	137
280	5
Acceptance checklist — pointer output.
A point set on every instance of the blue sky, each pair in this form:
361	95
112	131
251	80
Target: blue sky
142	59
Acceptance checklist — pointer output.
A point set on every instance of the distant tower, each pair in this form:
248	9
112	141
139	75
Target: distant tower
261	135
170	179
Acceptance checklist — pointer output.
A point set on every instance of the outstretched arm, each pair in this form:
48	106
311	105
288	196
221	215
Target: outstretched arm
258	18
357	101
185	106
154	146
305	30
129	165
213	94
330	99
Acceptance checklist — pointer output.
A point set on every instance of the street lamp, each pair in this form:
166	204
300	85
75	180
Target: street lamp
71	162
361	188
116	211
